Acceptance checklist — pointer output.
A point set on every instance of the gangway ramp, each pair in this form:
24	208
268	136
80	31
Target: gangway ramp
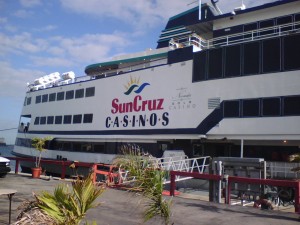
183	164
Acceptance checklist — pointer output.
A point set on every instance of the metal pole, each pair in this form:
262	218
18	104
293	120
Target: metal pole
242	148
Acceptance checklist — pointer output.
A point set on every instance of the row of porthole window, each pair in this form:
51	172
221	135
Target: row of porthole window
66	119
60	96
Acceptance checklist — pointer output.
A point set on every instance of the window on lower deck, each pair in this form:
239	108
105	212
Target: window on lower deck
77	118
87	118
231	109
37	120
251	108
271	107
67	119
291	106
58	119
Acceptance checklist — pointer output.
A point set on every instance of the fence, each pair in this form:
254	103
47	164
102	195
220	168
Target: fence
232	179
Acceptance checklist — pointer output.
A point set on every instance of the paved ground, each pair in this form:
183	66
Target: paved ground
123	208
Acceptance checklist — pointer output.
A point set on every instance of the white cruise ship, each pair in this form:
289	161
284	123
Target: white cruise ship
217	84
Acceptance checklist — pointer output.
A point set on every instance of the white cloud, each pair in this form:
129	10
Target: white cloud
46	28
13	80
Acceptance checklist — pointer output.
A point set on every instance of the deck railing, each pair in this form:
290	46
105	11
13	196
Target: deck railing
258	34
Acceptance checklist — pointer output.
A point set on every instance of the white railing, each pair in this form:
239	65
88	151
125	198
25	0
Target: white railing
258	34
283	170
177	163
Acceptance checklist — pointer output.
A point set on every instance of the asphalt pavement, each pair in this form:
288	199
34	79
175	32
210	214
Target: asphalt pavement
119	207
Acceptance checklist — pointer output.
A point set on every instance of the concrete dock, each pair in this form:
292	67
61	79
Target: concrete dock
121	207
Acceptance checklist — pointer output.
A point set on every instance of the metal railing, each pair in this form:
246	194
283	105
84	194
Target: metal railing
258	34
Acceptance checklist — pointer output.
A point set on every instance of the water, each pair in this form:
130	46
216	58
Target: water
5	151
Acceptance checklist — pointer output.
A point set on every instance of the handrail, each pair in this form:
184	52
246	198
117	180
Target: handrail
257	34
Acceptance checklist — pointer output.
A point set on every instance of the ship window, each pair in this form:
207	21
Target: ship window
60	96
251	58
250	27
271	55
52	97
88	118
67	119
232	108
297	19
233	61
251	107
266	24
79	93
45	98
37	120
90	92
66	146
28	100
77	147
50	119
291	51
86	147
291	106
43	120
69	94
77	118
99	148
58	119
38	99
215	62
285	20
271	107
199	66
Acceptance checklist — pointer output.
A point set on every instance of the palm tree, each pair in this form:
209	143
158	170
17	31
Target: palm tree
65	206
148	179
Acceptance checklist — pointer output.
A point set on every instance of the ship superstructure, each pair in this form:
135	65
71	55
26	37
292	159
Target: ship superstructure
219	85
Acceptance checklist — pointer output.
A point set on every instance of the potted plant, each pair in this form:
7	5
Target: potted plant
39	145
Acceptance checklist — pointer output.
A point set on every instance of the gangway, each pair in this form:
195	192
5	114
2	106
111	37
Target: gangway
175	163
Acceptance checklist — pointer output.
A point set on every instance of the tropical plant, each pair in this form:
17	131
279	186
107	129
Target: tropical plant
64	206
39	145
148	179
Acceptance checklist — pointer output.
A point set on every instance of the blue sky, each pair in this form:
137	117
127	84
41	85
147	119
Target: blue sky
38	37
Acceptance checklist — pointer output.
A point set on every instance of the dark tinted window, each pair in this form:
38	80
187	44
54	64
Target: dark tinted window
38	99
271	55
215	63
50	119
45	98
283	21
60	96
69	94
291	106
291	52
266	24
67	119
88	118
271	107
199	66
58	119
43	120
251	58
231	108
251	28
77	118
29	101
233	61
90	92
37	120
52	97
99	148
250	107
79	93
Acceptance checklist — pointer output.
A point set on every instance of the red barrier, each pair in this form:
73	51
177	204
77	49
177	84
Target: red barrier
109	171
63	164
233	179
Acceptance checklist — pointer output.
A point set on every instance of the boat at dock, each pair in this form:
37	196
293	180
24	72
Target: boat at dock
217	84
